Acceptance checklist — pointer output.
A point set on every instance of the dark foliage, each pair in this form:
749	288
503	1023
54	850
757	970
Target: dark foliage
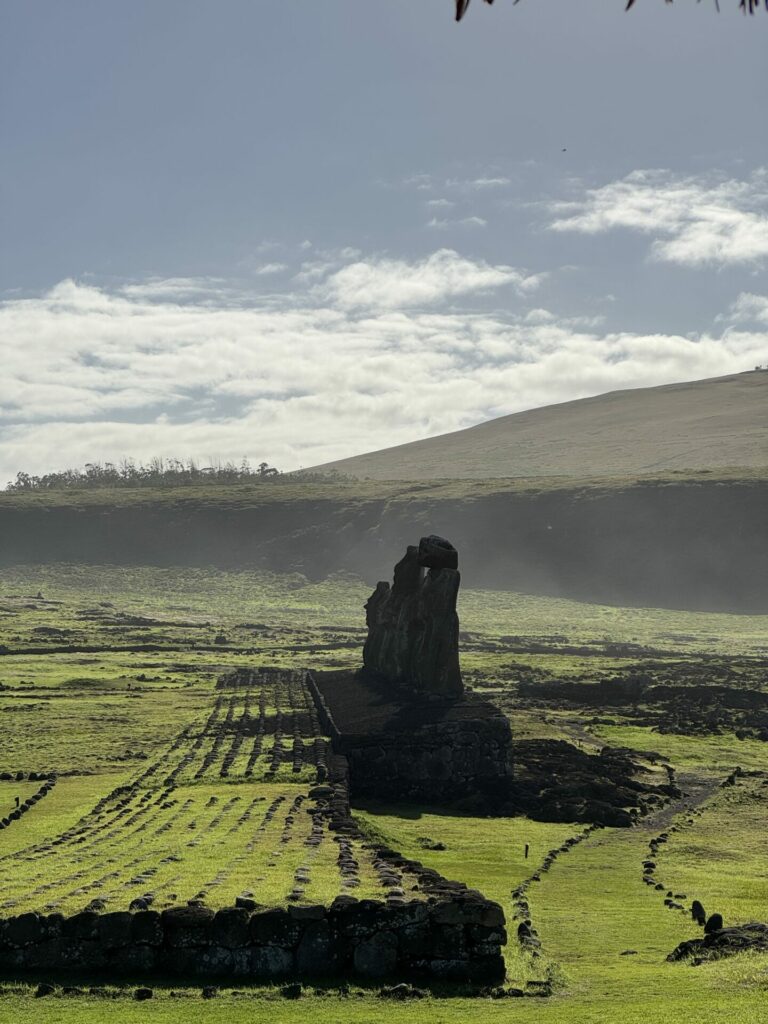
158	473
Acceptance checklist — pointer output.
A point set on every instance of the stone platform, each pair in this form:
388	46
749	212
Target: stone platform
436	750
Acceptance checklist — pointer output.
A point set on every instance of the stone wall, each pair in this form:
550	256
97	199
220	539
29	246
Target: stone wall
435	752
456	939
437	762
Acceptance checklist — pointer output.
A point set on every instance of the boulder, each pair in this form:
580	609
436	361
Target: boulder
714	924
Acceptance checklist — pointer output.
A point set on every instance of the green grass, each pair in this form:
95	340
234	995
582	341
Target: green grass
714	755
719	856
355	489
139	685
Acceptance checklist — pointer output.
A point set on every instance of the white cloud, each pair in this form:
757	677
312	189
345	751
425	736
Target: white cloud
441	203
462	222
180	288
393	284
371	357
477	184
748	309
696	222
270	268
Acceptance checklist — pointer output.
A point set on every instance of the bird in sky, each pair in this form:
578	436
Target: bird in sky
461	8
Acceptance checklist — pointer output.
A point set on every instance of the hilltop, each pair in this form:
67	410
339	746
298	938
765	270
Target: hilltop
702	425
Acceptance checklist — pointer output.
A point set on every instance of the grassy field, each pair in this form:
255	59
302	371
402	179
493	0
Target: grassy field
109	679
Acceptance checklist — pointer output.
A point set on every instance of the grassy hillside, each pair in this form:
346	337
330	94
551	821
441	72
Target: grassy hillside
708	424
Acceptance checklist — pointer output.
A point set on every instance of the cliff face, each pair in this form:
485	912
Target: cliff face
688	544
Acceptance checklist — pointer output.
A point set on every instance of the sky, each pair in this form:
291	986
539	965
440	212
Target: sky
299	231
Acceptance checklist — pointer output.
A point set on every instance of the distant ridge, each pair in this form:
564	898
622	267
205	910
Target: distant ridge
706	424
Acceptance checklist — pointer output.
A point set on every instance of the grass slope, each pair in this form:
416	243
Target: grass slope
706	424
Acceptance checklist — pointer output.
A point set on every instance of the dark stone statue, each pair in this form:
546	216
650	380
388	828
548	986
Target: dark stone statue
413	628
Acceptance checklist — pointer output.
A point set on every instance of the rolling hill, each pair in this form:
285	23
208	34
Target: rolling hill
704	425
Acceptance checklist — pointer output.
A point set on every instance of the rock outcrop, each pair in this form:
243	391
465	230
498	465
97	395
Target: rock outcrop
413	628
722	942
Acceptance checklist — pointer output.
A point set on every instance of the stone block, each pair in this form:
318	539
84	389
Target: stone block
214	961
446	941
320	952
24	930
487	968
414	940
376	956
115	930
82	927
271	962
363	919
186	927
450	969
82	954
146	928
483	912
275	928
310	913
230	927
136	959
482	935
46	955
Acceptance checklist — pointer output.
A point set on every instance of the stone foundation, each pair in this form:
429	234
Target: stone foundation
434	751
457	939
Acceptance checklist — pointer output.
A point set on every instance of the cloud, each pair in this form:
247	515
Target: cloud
270	268
180	288
395	284
441	203
370	358
696	222
748	309
462	222
477	184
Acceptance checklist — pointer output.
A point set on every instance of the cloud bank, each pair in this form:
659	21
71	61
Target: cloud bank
366	355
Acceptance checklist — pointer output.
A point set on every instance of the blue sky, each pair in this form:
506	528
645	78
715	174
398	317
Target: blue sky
298	231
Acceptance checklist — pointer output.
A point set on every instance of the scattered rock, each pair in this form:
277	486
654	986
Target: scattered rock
401	992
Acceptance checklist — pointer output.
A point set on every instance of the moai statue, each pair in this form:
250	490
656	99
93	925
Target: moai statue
413	628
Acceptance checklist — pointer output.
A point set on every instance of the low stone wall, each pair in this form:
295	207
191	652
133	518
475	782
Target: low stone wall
458	939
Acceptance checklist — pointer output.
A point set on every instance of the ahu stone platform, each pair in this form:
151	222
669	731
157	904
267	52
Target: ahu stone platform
430	750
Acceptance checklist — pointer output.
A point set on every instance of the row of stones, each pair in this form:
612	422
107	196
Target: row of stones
458	939
527	935
672	900
22	806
